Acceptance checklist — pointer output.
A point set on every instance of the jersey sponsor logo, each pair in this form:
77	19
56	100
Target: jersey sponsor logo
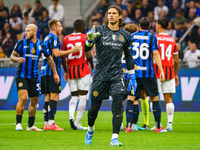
74	38
112	44
140	37
139	67
121	38
114	37
20	84
105	37
26	46
95	93
33	51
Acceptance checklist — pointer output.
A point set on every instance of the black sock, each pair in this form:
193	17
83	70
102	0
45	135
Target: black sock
19	118
92	114
31	121
129	112
53	107
117	116
135	113
157	113
45	111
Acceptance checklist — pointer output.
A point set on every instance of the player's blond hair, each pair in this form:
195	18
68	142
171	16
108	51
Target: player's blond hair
53	22
131	27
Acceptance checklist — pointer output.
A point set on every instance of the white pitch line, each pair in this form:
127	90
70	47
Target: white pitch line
189	123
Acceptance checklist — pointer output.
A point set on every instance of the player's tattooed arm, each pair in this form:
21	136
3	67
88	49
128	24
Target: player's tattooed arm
15	57
53	67
176	66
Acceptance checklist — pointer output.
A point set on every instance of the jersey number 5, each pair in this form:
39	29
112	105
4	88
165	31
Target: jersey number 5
71	46
142	51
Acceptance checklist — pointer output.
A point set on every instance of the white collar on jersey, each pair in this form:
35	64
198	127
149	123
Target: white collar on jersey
163	33
77	33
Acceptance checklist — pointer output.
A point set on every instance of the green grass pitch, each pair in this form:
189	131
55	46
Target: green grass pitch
186	134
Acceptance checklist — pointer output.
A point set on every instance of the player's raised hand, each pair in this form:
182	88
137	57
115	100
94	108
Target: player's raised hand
21	60
56	78
92	34
162	76
76	49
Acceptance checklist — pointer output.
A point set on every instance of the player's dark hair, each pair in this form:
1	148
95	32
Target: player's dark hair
144	23
121	21
53	22
131	27
163	22
79	26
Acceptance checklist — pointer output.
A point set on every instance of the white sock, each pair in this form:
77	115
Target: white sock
170	112
114	135
51	122
81	108
90	128
46	123
72	106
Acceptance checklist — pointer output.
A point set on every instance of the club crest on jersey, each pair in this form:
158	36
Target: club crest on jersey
20	84
33	51
114	37
60	88
121	38
95	93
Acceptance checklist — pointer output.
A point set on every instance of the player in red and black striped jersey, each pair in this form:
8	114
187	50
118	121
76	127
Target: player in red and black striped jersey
78	74
168	53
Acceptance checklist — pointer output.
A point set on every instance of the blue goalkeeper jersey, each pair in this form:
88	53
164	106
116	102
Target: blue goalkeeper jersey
143	43
51	42
31	52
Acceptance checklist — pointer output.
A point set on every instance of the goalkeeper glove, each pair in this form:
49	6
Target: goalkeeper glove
91	36
132	83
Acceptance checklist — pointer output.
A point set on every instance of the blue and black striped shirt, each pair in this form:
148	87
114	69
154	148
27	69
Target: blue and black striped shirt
143	43
31	52
51	42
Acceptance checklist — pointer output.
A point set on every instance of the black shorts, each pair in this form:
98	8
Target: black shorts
32	85
48	85
102	89
149	85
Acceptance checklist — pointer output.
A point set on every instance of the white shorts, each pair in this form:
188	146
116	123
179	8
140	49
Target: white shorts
80	84
167	86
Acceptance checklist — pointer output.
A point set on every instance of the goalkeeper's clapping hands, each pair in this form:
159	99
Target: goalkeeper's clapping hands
132	83
92	34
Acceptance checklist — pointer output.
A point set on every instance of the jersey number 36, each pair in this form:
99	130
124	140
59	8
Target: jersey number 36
141	50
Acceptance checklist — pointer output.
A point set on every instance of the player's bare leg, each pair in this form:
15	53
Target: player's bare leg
169	110
32	111
22	95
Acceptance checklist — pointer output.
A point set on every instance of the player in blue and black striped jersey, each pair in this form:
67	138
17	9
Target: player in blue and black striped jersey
49	87
144	48
27	52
